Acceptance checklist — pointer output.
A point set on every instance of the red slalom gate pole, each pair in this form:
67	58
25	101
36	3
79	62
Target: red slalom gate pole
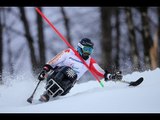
63	38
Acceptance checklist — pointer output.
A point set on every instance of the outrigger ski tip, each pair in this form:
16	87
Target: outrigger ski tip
133	83
137	82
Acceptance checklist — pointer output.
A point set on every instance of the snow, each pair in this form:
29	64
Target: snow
88	97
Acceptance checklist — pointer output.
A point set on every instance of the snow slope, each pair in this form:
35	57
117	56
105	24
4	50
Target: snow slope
88	97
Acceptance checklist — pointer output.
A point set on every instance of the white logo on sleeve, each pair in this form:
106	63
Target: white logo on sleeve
70	73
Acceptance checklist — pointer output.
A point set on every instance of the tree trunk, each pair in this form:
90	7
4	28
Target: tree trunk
66	23
154	52
29	39
10	55
41	42
117	38
159	37
9	39
106	36
1	45
147	40
132	37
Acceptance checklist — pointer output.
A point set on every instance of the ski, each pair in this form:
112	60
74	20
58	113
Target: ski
139	81
134	83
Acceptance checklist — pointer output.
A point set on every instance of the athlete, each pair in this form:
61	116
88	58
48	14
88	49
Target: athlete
66	68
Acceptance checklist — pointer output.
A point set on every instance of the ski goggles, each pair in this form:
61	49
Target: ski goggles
86	49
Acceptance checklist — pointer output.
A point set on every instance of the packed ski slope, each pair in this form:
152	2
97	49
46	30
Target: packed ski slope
88	97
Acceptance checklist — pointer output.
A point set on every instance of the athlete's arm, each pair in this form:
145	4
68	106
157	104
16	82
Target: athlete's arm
59	58
96	68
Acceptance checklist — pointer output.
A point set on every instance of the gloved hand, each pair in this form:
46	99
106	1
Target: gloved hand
43	73
115	77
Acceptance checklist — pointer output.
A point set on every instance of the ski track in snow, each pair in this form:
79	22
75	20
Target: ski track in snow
88	97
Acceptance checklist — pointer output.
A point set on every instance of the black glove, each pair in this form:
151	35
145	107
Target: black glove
115	77
43	73
107	75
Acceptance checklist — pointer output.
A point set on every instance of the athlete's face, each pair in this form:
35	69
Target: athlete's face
87	50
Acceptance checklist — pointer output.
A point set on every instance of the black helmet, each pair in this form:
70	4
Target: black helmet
86	42
85	48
